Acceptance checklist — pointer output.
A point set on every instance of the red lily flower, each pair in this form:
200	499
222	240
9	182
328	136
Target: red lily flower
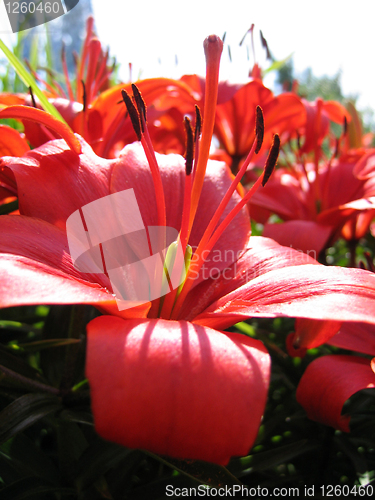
317	126
319	200
235	114
11	143
92	69
161	377
330	381
116	128
317	209
235	118
89	106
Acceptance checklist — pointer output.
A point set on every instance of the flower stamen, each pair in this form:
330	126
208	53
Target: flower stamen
137	113
259	129
133	114
183	235
210	237
271	159
197	135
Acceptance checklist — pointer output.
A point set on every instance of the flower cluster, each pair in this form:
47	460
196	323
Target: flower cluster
164	375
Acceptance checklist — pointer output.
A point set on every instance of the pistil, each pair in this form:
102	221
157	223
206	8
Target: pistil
213	48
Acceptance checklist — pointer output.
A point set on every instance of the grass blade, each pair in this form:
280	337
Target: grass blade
29	81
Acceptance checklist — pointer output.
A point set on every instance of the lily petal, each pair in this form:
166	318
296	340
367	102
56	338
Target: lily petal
261	256
132	171
328	382
11	142
305	235
359	337
36	268
310	291
41	117
53	181
311	333
154	91
176	388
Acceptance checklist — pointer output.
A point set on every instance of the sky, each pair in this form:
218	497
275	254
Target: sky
329	36
165	37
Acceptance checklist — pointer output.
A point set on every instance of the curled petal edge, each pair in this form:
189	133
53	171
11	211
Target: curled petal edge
328	383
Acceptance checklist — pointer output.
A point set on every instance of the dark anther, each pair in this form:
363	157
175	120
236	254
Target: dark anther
298	140
83	95
133	113
370	263
337	148
345	126
189	154
259	129
198	123
265	46
140	103
271	159
250	30
32	96
229	53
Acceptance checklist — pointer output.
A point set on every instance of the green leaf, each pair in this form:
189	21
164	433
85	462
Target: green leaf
25	411
100	457
71	444
32	460
14	331
34	51
49	54
6	208
213	475
46	344
29	81
19	366
277	64
359	462
246	329
10	468
79	416
15	379
157	489
33	488
268	459
56	326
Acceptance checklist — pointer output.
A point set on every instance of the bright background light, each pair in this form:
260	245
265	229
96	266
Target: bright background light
326	35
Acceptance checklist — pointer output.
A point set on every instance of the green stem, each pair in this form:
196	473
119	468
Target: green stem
76	329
